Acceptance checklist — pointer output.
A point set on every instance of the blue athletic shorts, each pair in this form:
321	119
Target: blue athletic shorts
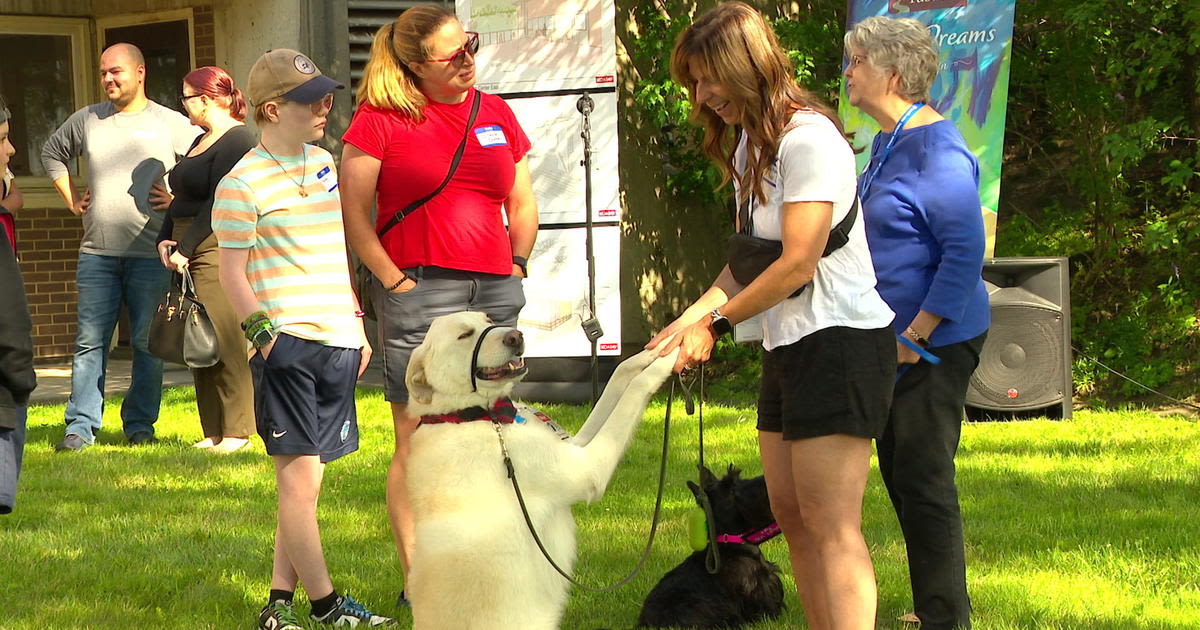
304	398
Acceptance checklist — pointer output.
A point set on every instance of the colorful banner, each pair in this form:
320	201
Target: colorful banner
974	39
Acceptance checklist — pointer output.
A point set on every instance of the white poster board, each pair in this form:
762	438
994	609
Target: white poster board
554	125
540	45
556	293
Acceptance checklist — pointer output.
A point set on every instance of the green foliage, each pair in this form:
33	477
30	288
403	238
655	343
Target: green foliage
1104	112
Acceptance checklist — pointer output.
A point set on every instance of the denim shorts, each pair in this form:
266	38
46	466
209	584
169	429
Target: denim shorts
304	398
835	381
404	318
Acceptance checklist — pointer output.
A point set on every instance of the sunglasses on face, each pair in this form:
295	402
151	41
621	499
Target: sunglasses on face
459	56
323	105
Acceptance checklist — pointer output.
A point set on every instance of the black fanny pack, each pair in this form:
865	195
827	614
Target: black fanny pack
750	255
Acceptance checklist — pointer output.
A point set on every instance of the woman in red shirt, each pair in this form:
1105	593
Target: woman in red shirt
417	106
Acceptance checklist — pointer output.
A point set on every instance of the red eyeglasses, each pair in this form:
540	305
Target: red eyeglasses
471	47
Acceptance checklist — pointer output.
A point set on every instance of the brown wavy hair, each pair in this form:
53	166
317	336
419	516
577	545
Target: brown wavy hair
733	46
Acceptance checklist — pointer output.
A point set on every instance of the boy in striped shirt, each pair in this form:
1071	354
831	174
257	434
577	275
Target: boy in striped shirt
283	263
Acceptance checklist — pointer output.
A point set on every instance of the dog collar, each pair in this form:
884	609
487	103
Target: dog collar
756	537
502	412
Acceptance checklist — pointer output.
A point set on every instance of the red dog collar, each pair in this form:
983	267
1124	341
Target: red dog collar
502	412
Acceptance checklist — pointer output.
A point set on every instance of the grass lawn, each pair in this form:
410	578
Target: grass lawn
1091	523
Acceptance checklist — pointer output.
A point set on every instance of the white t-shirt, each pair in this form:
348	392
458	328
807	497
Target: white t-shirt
815	163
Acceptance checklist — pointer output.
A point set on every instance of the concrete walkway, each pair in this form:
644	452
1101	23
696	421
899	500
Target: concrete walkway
54	381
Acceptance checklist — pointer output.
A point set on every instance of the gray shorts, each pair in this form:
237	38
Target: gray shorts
405	317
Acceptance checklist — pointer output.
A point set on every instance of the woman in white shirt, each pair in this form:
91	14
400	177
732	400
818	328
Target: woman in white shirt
829	354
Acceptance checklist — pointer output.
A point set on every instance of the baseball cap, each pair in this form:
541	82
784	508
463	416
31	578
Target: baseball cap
290	74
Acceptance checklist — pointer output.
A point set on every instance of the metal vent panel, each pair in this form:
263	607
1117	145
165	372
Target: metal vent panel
364	18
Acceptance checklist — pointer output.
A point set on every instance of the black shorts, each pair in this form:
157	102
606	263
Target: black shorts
834	381
304	398
404	318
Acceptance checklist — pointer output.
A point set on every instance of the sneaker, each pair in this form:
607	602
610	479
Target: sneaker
142	437
402	600
349	613
72	442
279	615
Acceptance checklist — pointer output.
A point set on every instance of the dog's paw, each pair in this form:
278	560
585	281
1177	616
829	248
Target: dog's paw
638	362
660	368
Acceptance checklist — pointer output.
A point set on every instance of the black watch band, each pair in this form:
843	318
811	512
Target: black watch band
523	263
720	324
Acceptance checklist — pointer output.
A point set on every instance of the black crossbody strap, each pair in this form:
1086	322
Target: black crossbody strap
462	146
840	234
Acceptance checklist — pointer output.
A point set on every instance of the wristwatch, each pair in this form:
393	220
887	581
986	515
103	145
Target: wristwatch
720	324
262	338
523	263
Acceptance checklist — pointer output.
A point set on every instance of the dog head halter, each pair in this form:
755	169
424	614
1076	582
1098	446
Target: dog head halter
475	354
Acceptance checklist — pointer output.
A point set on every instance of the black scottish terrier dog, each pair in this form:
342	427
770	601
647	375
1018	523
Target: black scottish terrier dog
746	588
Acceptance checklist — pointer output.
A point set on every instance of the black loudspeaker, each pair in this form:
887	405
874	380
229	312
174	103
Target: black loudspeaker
1025	366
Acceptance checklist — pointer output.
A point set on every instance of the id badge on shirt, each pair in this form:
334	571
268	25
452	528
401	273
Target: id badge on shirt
328	181
491	136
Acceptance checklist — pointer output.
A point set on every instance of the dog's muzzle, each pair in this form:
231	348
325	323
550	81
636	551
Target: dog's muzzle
512	339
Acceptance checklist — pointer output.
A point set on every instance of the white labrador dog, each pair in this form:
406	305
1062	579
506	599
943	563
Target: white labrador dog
474	564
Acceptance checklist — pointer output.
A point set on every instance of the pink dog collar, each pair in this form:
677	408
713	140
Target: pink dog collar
756	537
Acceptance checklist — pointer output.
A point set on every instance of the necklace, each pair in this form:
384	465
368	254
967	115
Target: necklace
303	168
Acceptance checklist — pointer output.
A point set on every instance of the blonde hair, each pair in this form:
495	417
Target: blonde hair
733	47
902	46
387	81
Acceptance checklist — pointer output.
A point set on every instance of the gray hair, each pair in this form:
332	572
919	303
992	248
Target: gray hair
900	45
4	113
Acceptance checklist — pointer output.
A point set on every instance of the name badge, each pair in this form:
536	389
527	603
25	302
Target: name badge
325	176
491	136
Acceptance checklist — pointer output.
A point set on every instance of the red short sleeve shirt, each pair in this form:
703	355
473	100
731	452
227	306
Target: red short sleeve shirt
461	228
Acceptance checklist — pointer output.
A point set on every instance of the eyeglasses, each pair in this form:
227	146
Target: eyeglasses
459	56
183	98
324	105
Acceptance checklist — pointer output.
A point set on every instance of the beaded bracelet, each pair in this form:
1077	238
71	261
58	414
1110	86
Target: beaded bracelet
403	277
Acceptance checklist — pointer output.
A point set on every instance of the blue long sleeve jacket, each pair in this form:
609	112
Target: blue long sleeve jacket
925	231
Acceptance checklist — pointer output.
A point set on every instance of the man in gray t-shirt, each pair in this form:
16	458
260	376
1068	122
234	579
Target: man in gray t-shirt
127	144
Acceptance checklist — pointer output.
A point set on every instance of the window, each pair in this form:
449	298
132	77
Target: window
45	77
165	39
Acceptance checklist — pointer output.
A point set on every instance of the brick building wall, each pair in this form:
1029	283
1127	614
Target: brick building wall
48	247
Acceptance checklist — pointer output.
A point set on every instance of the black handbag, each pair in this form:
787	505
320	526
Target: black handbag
750	255
363	278
181	331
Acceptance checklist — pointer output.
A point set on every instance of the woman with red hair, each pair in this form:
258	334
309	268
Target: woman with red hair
224	393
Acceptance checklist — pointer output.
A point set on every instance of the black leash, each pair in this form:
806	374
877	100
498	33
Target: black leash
662	478
712	558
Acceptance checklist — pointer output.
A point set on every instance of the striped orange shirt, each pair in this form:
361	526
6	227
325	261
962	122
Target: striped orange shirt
297	265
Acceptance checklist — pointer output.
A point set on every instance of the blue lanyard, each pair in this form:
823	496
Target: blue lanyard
887	149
